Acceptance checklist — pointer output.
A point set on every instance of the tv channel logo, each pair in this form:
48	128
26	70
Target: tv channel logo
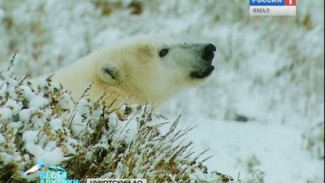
53	174
272	7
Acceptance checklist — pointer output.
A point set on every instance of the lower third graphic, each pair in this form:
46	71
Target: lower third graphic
272	7
54	174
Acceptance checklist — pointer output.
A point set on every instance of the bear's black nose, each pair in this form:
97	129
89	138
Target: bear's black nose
208	52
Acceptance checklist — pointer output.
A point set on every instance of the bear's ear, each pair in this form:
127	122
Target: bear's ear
109	74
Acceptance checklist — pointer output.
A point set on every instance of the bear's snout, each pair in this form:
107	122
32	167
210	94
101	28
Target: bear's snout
208	52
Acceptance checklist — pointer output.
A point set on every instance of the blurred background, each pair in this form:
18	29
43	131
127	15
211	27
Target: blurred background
261	110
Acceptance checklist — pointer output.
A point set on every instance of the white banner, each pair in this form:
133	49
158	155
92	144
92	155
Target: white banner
116	180
272	10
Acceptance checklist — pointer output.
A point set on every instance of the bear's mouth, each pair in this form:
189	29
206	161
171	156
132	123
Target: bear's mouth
204	74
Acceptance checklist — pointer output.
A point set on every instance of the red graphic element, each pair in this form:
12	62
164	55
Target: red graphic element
290	2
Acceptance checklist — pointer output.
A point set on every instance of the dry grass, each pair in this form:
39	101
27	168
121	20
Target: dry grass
96	141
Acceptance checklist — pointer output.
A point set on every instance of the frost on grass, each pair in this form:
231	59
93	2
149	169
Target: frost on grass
90	139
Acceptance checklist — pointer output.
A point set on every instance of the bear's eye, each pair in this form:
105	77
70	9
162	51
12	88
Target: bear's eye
163	52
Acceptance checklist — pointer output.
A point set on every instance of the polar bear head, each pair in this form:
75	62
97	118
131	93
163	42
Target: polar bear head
152	68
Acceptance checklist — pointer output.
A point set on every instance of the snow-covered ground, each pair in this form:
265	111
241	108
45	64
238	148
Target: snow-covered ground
261	110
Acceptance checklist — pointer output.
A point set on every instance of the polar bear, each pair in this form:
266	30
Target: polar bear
143	70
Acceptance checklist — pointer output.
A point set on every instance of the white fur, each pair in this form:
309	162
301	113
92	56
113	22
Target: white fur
140	73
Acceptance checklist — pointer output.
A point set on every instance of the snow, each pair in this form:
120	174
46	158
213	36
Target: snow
5	113
82	106
56	124
64	102
38	102
2	139
7	158
25	114
34	149
27	92
14	106
53	157
69	146
269	71
15	125
49	154
30	136
275	146
77	125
